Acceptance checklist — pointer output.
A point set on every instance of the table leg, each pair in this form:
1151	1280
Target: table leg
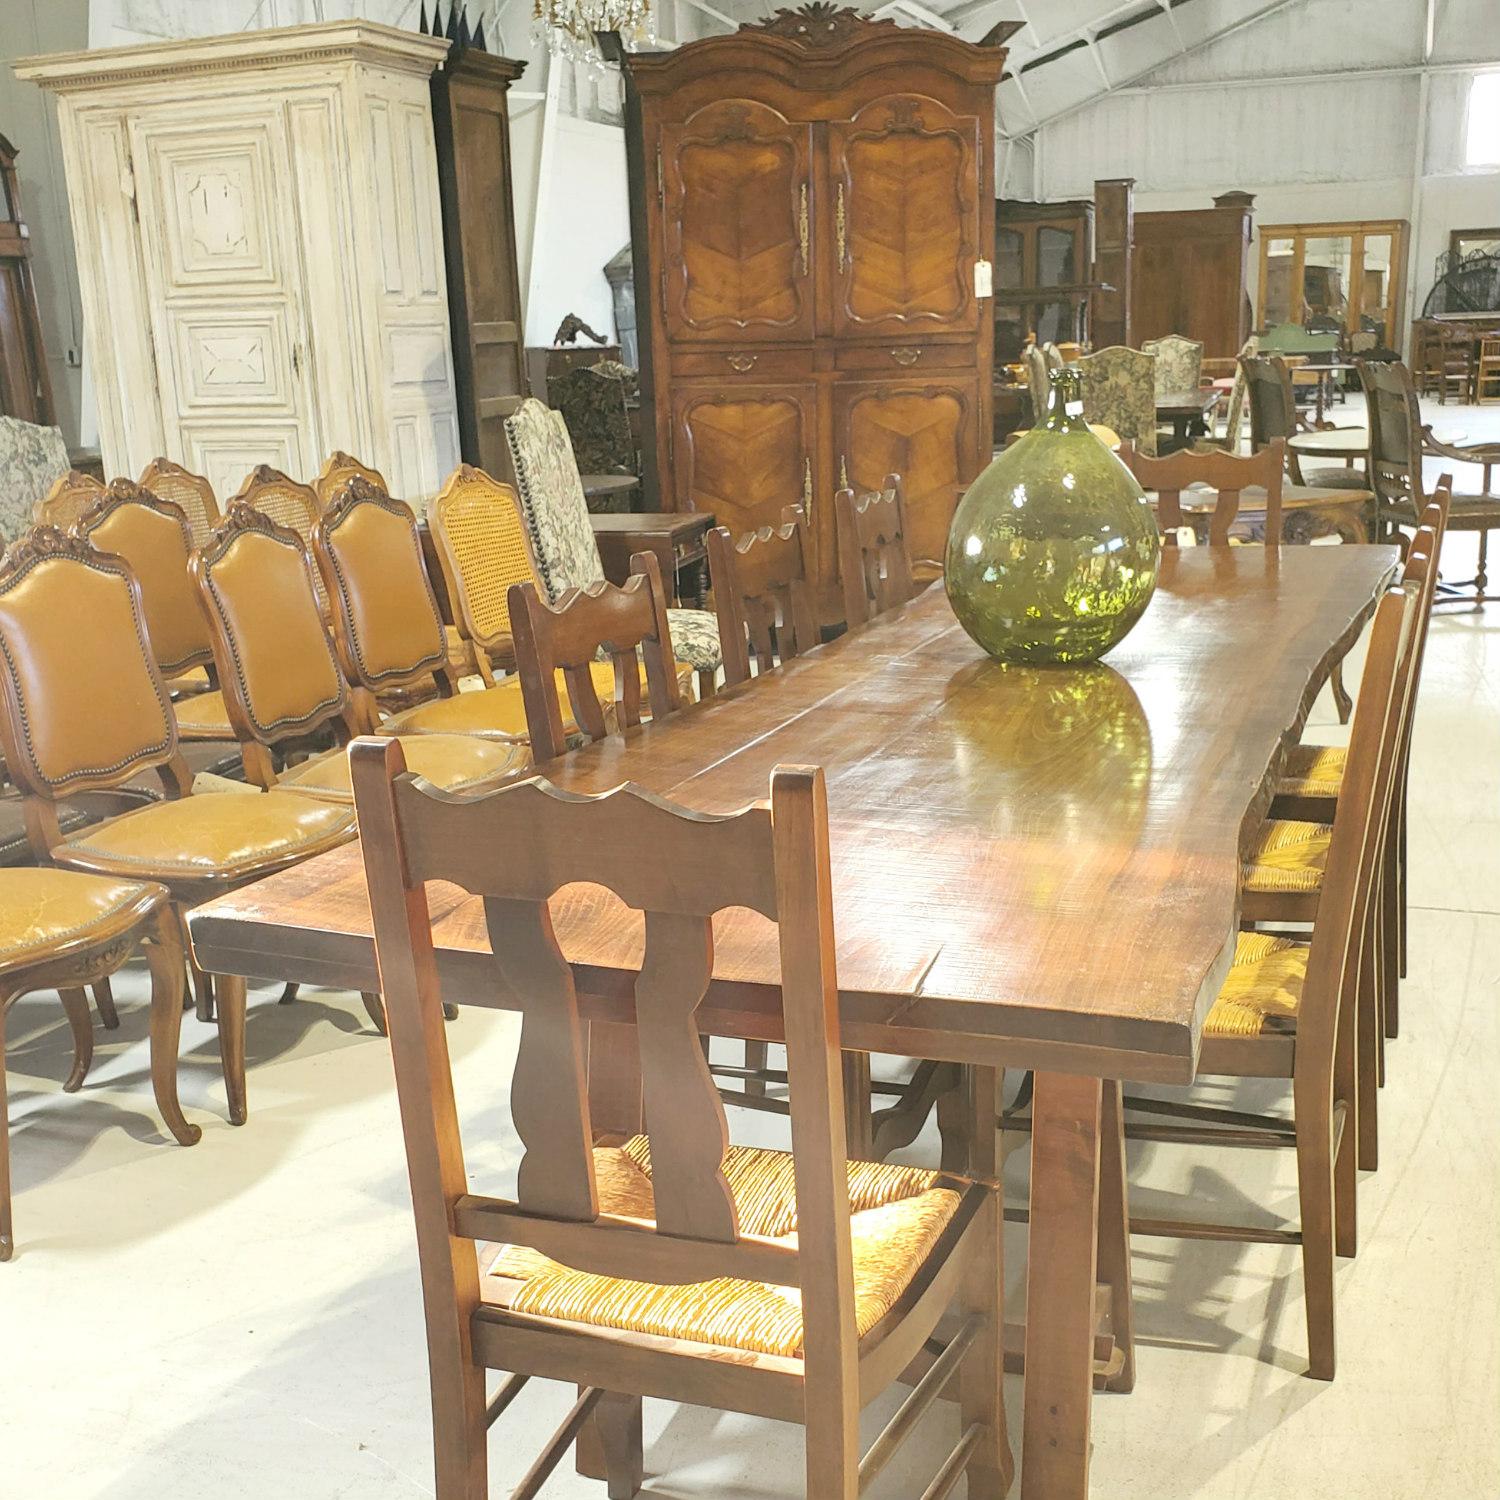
1061	1268
1114	1232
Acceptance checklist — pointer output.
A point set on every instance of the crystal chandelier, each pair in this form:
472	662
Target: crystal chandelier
568	26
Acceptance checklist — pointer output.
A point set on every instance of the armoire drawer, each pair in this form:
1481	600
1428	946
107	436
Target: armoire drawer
754	364
897	356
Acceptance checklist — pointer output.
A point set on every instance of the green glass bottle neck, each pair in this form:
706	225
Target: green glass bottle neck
1065	413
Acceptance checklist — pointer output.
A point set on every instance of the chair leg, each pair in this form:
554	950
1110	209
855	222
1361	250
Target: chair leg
857	1122
7	1230
203	991
288	993
165	957
618	1419
230	996
1341	699
76	1005
1315	1193
1482	577
756	1055
375	1009
1390	938
1114	1231
104	1003
1401	912
1367	1044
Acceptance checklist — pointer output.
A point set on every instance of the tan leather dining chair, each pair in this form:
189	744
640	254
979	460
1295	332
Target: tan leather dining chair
795	1285
63	930
85	707
288	503
763	593
340	467
192	492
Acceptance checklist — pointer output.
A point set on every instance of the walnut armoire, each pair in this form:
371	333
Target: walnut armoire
812	211
260	250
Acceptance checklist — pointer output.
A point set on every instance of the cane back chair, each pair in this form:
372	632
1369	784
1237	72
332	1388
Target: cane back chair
338	468
763	593
71	494
63	930
85	708
192	492
658	1267
1289	1009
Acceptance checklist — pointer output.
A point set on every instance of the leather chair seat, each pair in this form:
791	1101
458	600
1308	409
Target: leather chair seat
1289	857
43	910
1263	988
453	762
202	716
897	1215
211	839
1313	771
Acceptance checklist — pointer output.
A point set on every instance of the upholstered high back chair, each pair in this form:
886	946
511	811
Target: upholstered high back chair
70	495
1119	392
295	506
1179	363
192	492
83	706
591	399
666	1263
763	592
561	537
480	538
338	468
32	459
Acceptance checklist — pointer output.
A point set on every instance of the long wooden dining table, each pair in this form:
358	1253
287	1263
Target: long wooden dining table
1032	869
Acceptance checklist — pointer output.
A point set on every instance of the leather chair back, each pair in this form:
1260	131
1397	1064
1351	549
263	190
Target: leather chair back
385	616
286	502
85	704
154	537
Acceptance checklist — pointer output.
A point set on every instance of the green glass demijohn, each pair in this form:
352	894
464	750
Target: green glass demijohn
1053	551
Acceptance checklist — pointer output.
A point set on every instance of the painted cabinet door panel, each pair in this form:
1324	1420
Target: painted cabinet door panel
734	184
904	178
745	452
221	273
924	431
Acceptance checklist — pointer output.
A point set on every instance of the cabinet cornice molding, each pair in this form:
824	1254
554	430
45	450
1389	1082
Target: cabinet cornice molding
364	42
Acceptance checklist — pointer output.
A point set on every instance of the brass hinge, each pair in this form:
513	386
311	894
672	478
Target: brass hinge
802	228
807	486
840	229
661	180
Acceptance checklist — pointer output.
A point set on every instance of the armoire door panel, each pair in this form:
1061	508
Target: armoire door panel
924	432
744	453
903	174
734	184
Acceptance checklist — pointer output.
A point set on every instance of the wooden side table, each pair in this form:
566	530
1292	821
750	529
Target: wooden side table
676	537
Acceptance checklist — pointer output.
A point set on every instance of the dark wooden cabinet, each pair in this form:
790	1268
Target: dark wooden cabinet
25	382
810	208
1189	274
471	127
1044	255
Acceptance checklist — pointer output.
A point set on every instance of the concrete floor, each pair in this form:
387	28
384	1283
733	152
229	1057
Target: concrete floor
241	1320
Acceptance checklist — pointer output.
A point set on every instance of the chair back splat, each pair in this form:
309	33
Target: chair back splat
764	594
874	562
1225	474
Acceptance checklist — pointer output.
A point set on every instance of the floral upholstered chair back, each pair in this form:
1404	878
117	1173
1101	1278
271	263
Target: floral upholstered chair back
1036	378
551	496
32	460
593	400
1179	363
1119	392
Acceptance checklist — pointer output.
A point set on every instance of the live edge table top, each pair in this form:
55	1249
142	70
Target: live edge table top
1031	867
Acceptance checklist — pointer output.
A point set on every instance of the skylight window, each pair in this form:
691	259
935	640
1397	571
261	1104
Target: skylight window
1482	148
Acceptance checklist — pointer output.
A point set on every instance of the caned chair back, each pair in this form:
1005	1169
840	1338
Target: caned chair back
340	467
1119	392
568	637
286	502
1395	460
385	616
192	492
678	868
763	593
1226	474
276	660
481	544
1038	382
874	563
85	704
153	535
1179	363
1268	390
71	494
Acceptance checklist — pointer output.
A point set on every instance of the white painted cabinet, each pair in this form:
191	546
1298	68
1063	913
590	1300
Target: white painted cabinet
260	251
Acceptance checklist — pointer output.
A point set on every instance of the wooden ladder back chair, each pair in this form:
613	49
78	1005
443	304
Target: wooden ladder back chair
1225	474
678	1207
85	708
763	592
480	537
874	564
153	535
386	618
1269	394
288	503
567	639
338	468
191	491
1293	1010
71	494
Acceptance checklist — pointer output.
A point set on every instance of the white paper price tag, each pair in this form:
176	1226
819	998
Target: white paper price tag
984	279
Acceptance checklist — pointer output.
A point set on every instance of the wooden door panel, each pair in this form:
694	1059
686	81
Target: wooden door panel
904	174
925	432
734	187
745	452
